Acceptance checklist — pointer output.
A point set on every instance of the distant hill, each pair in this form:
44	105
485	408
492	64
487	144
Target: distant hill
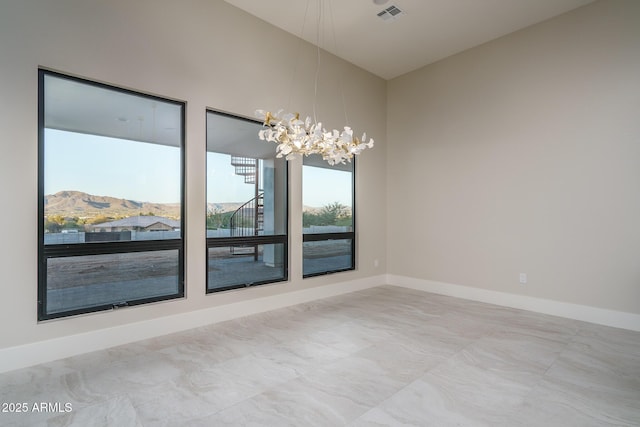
223	207
316	210
84	205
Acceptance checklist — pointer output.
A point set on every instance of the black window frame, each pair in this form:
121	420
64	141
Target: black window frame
347	235
217	242
46	252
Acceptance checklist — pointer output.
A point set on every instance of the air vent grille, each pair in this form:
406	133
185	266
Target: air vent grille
390	13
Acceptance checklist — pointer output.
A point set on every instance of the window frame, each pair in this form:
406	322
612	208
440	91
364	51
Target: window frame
46	252
347	235
218	242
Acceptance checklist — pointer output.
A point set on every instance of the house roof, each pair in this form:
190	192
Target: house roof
142	221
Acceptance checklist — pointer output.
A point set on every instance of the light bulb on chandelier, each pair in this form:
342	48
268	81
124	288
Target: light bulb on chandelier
296	137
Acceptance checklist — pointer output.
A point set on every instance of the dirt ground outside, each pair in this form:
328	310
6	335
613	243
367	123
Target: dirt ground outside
75	282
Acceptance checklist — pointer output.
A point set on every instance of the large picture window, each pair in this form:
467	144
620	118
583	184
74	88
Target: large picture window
246	206
110	197
327	217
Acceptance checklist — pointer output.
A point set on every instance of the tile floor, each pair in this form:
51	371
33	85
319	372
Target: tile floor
385	356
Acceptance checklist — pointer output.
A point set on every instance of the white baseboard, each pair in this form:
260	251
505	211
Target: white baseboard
58	348
617	319
23	356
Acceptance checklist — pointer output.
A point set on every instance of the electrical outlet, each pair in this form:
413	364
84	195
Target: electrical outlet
523	278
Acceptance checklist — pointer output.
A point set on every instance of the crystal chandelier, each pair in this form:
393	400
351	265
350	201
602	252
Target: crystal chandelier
296	137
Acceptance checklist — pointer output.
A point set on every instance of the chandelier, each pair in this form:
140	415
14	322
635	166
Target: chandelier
296	137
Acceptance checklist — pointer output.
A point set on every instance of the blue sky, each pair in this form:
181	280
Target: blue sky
321	186
113	167
223	185
144	172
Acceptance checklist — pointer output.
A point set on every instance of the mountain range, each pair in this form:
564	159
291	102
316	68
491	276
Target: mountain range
84	205
71	204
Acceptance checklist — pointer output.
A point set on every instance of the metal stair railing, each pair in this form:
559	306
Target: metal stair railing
248	220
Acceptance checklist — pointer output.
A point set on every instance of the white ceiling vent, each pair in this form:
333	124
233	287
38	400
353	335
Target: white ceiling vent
390	13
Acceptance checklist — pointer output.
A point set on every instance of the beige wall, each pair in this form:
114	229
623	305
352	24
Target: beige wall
206	53
523	155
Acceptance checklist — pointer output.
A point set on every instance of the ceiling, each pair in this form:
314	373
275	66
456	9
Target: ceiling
76	106
424	32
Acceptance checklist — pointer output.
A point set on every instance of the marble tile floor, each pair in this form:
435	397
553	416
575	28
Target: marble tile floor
386	356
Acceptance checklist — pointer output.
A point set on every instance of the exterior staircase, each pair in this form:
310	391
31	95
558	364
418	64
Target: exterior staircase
248	219
246	167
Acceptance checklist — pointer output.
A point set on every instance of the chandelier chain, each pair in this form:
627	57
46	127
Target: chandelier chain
335	49
297	137
298	49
